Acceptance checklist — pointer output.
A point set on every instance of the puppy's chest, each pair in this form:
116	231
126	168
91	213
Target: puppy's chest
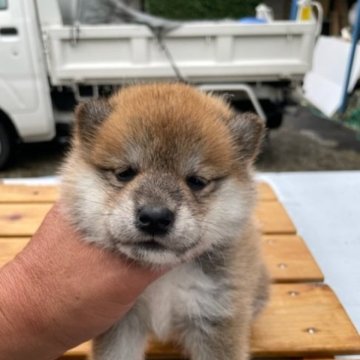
183	295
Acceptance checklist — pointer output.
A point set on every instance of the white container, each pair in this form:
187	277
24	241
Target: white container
264	12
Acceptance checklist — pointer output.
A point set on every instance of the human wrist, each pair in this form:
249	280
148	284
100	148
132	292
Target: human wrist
25	314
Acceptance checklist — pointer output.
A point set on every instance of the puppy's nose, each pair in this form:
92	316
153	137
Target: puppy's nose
154	220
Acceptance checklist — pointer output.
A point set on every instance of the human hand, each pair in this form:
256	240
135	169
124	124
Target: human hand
60	291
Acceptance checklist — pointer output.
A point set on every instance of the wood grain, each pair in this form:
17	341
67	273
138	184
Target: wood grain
9	247
274	219
289	259
265	192
28	193
286	256
50	193
322	358
24	219
301	320
304	320
82	350
21	219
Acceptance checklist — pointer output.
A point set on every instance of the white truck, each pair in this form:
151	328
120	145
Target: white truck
48	64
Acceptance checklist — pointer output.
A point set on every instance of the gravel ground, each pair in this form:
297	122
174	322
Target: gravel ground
305	142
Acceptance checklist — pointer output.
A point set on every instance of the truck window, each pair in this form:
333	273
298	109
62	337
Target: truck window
3	4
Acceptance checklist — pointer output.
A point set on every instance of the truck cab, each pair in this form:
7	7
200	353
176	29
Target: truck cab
25	104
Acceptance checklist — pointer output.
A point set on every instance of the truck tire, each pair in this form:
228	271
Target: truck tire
273	111
6	146
274	114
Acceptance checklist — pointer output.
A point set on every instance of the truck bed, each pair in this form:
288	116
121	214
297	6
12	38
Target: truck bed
204	52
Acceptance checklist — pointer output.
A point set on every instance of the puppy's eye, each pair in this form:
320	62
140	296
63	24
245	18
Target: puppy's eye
125	175
196	183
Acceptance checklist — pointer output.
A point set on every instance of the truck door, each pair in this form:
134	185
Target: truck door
24	88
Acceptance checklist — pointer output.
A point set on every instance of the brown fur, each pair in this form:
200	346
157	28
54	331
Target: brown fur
201	119
167	132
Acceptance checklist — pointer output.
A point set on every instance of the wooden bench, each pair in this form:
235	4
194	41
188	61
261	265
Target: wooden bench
303	319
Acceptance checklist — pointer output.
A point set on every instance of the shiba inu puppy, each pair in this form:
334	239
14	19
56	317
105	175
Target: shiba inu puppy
162	174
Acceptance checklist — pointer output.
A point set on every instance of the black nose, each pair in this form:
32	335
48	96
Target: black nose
155	220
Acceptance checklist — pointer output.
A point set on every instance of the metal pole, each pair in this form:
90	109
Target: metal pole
238	87
355	38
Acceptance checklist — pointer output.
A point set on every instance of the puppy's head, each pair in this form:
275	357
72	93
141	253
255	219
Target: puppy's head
161	172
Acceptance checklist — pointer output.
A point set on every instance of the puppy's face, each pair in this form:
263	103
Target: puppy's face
162	172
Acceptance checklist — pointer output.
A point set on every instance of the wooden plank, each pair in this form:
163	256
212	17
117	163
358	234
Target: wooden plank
21	219
301	320
283	328
274	219
50	193
24	219
265	192
289	260
9	247
304	320
287	257
323	358
28	193
82	350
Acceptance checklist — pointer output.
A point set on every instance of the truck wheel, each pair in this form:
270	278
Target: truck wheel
274	114
6	146
273	111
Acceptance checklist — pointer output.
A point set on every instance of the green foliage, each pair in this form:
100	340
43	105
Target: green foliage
351	117
201	9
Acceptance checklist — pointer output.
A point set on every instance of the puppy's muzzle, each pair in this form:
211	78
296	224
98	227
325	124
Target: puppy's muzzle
154	220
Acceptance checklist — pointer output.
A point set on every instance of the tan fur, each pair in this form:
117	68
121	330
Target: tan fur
168	132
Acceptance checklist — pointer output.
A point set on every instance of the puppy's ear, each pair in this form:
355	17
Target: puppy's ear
248	131
89	115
